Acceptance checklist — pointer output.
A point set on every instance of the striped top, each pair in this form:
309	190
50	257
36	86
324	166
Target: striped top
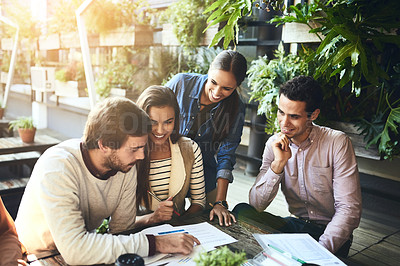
160	172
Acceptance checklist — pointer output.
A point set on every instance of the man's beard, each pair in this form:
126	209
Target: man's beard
114	163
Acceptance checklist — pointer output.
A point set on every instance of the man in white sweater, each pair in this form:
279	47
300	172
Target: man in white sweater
77	184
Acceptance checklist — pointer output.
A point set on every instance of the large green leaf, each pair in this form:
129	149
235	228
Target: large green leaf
217	4
217	37
346	51
393	118
363	60
229	11
391	123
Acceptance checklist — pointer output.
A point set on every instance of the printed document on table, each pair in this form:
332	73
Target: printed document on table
208	235
302	246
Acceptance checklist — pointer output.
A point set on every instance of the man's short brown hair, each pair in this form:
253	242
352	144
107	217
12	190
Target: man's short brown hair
112	120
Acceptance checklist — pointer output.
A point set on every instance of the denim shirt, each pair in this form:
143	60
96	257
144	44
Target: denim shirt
218	158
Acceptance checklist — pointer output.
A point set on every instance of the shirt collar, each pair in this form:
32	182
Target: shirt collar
195	94
92	169
312	137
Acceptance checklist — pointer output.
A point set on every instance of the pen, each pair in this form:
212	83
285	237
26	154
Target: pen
287	254
272	258
155	196
171	232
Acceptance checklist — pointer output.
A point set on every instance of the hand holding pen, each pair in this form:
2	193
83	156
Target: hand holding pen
165	209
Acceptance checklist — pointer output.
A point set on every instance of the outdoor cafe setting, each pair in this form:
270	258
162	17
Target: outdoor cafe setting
201	132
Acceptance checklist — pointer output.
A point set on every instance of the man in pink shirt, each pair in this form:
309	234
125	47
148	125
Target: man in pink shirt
316	168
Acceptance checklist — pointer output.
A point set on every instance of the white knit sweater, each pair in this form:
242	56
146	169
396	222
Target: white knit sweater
64	203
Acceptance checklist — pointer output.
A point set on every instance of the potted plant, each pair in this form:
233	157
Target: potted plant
25	127
70	81
186	23
120	23
266	75
359	60
119	76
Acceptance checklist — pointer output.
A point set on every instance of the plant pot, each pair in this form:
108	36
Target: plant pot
1	113
137	35
169	37
42	79
299	33
50	42
70	89
27	135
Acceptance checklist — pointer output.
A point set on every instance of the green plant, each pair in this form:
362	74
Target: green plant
73	71
229	13
25	122
119	73
266	75
63	18
221	257
101	16
103	228
360	51
201	59
188	21
106	15
19	14
354	61
5	62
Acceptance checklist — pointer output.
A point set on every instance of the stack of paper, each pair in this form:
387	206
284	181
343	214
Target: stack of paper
294	249
208	235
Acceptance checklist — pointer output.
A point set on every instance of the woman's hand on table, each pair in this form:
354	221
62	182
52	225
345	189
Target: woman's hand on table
224	216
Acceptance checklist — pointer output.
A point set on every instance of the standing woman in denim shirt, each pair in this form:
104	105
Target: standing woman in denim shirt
212	114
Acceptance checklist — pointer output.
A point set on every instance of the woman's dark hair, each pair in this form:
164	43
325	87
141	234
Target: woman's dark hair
154	96
304	89
234	62
160	96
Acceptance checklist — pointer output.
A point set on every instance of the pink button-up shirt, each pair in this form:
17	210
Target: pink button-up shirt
320	182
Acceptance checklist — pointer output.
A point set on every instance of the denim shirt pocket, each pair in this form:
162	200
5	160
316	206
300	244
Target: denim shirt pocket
321	178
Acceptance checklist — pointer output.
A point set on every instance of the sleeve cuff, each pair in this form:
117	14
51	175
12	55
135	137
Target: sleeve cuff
152	244
225	174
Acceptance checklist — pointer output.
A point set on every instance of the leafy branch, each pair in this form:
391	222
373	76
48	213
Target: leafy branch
229	11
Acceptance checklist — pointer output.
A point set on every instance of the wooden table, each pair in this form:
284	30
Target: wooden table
14	154
15	145
242	231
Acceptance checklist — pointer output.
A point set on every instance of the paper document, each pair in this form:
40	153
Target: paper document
301	246
208	235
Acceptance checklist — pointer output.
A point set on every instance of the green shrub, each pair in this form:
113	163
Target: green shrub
221	257
265	77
